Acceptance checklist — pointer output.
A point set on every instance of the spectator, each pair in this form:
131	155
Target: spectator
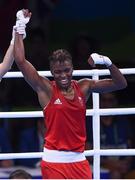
38	43
80	48
43	10
115	133
5	147
20	174
31	140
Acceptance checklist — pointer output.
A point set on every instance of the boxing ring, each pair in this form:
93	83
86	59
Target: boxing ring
96	112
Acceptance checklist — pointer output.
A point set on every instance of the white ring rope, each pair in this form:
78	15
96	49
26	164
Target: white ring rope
89	112
96	112
105	152
102	72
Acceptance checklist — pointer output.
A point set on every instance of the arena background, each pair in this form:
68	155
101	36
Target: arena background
111	24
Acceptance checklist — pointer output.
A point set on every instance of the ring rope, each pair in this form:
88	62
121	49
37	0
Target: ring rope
105	152
89	112
102	72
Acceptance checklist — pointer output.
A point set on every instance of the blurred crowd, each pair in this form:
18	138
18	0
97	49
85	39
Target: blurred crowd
26	135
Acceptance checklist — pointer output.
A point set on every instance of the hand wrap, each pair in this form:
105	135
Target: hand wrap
21	23
99	59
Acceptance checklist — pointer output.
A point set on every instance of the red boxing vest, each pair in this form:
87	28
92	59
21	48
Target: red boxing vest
65	121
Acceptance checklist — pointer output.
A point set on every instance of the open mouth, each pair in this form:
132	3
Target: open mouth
64	81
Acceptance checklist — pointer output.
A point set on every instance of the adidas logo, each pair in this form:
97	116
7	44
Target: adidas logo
57	101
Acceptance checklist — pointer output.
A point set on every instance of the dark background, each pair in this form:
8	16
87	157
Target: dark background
108	26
